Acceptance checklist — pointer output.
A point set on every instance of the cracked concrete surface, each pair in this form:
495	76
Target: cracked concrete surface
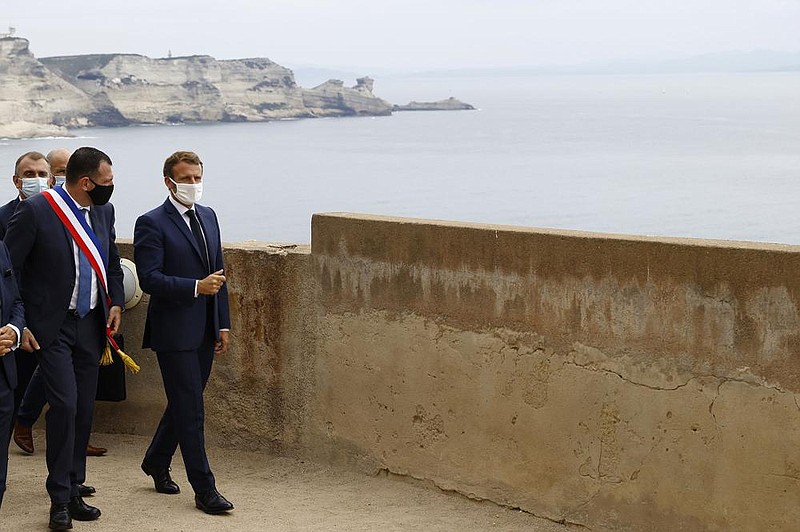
579	432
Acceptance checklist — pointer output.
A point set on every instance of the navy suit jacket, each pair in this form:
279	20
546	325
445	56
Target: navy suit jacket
6	211
12	311
168	263
41	248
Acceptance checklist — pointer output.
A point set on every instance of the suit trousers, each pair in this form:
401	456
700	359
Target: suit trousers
6	412
69	367
26	365
33	401
185	374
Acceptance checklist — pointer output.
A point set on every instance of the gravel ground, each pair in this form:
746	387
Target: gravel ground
269	492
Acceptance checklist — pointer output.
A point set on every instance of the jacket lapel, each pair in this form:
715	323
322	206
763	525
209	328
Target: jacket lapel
99	229
177	219
68	240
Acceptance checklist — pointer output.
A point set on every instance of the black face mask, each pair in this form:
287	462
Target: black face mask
100	194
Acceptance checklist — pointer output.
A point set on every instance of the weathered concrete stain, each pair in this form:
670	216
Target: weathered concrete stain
662	313
612	416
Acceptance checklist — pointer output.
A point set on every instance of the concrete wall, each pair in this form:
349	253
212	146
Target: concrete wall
616	382
257	395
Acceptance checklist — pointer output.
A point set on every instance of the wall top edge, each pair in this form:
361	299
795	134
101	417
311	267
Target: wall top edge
570	233
252	245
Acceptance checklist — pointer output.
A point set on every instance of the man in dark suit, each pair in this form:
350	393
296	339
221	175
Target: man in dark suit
178	254
69	303
6	211
29	398
31	176
12	314
29	173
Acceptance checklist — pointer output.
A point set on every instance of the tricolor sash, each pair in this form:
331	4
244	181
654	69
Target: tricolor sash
86	240
83	235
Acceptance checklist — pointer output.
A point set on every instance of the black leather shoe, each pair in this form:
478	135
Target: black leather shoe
161	479
85	491
59	517
80	511
211	502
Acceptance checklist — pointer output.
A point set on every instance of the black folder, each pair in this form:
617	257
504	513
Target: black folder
111	378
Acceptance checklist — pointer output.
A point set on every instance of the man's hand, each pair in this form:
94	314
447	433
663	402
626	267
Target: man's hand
114	319
29	342
211	284
222	344
8	339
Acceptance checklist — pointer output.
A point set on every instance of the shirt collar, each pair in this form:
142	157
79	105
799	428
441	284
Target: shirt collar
178	205
88	208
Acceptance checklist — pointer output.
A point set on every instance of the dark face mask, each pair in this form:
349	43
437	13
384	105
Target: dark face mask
100	194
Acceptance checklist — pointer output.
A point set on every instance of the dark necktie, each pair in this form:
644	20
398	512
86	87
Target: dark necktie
198	236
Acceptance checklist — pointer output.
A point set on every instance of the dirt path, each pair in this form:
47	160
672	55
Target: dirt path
270	493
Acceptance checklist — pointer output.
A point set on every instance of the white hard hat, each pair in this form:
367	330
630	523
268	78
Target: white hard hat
130	282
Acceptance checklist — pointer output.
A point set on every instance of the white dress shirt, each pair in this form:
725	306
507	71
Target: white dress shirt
73	302
182	209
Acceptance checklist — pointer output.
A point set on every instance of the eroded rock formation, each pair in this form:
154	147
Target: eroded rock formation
43	96
333	98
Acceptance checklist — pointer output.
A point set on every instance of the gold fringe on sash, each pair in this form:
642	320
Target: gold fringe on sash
106	359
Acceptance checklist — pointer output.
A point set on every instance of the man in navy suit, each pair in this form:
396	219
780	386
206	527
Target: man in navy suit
67	310
30	172
31	176
178	254
13	315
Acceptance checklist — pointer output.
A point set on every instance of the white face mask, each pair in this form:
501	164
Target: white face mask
187	193
60	180
34	185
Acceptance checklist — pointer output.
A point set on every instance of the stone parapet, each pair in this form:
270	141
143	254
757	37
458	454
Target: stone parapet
617	382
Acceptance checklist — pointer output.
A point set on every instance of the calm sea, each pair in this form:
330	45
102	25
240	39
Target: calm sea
701	155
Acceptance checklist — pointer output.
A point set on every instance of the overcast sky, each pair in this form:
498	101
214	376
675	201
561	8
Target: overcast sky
407	34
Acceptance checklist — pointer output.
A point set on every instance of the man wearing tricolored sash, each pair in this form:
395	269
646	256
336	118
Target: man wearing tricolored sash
64	241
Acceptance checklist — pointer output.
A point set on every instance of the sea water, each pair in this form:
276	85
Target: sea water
697	155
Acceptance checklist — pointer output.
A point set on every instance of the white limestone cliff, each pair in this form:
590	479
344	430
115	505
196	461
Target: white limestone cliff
45	96
33	100
203	89
332	98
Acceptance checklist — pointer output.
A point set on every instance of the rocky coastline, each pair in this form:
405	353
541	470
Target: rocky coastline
50	96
